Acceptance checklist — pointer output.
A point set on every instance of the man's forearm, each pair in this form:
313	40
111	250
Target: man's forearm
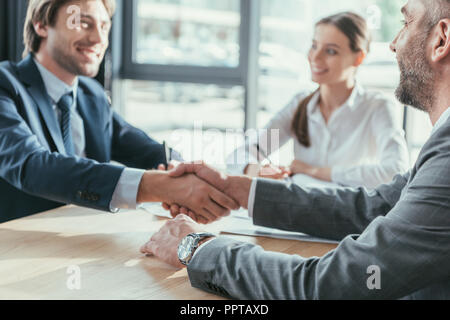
153	186
238	187
331	213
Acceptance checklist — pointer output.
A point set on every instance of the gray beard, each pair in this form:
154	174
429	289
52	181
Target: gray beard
414	91
417	79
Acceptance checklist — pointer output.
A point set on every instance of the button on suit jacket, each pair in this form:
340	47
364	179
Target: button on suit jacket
35	174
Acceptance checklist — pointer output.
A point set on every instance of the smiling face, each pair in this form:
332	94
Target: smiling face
79	48
417	77
331	58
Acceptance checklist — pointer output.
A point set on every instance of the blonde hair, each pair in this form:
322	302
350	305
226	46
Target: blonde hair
45	11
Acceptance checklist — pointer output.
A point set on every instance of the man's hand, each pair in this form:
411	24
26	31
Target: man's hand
175	209
164	243
188	191
237	187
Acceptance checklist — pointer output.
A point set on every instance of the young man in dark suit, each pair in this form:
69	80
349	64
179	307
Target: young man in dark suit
58	132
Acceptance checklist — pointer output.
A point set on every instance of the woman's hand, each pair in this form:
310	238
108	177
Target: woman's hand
300	167
268	171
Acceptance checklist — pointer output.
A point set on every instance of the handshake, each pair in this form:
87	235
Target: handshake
196	190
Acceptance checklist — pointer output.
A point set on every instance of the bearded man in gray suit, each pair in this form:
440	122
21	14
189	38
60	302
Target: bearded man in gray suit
403	228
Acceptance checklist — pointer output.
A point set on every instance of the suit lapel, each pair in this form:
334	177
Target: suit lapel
29	74
90	111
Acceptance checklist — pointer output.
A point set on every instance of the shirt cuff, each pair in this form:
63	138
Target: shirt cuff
338	174
251	198
125	194
175	155
202	246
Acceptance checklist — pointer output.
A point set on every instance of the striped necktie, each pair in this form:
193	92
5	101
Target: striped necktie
65	105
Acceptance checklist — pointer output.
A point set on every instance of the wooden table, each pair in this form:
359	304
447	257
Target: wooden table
40	255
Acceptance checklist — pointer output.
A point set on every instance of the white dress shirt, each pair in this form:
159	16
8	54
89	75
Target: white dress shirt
125	194
442	119
362	142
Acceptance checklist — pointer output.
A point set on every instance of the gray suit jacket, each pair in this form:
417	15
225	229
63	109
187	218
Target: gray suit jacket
403	229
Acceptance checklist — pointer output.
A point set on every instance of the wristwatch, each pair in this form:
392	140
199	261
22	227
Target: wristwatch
189	244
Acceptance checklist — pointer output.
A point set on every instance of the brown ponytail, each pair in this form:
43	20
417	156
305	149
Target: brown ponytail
356	30
300	121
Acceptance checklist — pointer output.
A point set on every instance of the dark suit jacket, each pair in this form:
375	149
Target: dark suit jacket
35	174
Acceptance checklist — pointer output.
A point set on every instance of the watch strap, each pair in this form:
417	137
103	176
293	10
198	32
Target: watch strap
198	238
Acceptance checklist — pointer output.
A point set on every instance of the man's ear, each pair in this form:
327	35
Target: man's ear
441	41
361	55
41	29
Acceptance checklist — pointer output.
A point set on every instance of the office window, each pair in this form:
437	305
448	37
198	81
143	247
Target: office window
188	32
159	106
189	117
184	71
195	41
284	70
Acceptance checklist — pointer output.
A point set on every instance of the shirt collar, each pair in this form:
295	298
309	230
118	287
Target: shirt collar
442	119
352	102
56	88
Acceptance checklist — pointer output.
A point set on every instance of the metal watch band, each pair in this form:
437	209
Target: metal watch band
197	238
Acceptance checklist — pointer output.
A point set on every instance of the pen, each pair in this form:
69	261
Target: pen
166	152
261	152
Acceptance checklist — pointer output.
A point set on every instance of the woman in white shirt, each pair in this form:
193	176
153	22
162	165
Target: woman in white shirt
342	133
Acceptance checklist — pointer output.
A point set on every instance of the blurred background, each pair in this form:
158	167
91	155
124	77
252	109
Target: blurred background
198	73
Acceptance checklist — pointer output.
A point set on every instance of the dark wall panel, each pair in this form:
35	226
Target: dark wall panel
12	18
3	33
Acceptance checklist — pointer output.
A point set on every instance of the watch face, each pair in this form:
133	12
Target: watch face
185	248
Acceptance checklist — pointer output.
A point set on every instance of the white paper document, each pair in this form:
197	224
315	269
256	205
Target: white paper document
239	223
156	209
